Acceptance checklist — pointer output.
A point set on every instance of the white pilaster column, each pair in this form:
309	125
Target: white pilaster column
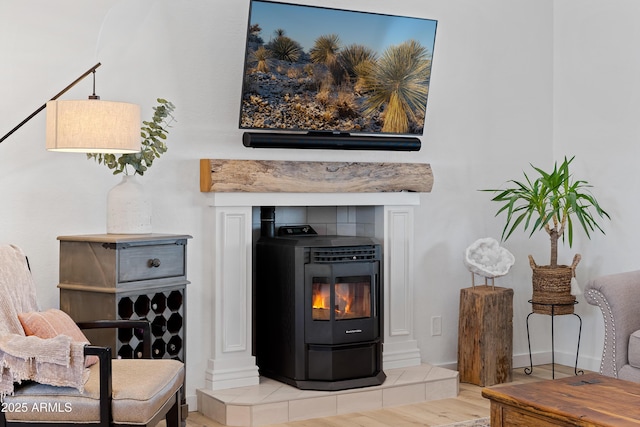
231	364
400	347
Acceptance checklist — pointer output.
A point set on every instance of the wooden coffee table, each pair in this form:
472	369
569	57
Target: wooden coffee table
584	400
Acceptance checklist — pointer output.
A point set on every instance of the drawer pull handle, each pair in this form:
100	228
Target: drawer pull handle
154	262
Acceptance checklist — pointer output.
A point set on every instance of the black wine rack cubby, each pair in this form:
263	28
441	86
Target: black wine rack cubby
164	310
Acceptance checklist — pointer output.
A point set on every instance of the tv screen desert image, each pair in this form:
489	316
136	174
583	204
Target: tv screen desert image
328	70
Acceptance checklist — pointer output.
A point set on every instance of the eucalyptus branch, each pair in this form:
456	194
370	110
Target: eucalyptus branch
153	133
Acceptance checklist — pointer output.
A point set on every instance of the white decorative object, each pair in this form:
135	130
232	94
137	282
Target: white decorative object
128	208
487	258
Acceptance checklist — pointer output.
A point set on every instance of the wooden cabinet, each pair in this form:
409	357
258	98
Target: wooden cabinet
113	276
485	335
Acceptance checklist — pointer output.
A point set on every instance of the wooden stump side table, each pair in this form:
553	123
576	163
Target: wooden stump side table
485	335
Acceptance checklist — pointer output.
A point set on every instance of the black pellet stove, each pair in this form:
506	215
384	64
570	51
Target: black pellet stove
318	309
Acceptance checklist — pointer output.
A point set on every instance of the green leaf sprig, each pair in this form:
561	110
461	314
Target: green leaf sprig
154	134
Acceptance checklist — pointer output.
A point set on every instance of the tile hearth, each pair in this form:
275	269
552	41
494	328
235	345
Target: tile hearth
272	402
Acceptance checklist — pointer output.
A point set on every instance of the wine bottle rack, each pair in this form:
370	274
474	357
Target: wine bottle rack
129	277
165	312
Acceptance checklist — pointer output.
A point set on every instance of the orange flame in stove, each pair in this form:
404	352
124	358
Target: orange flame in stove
320	299
347	304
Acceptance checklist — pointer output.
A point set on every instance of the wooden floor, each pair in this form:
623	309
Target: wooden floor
468	405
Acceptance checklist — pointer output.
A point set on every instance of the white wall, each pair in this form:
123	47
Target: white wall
490	115
596	108
500	99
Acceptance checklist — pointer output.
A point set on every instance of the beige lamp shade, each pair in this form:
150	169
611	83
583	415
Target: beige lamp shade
93	126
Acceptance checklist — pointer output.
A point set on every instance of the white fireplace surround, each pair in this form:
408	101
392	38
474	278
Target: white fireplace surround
231	363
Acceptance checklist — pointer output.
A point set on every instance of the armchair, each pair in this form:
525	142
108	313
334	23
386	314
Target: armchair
618	296
110	393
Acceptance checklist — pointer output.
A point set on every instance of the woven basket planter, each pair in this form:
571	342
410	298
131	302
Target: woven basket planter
552	285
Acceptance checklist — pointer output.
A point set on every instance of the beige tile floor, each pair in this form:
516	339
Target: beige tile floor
272	402
467	405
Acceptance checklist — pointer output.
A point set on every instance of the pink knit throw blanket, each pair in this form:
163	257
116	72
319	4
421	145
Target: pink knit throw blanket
56	361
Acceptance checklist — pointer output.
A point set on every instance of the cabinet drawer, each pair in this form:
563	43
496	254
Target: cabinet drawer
150	262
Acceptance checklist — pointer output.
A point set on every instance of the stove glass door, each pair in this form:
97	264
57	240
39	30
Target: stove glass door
342	305
352	297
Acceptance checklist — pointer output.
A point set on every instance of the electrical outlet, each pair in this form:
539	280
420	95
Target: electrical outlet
436	326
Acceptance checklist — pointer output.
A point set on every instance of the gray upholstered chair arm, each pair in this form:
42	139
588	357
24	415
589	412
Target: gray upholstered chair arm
618	296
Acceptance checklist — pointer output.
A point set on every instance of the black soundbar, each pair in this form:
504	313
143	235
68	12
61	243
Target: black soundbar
330	141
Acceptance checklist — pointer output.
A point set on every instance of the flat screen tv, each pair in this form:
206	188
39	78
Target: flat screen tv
330	75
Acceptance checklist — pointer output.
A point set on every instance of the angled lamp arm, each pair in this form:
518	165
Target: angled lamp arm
89	71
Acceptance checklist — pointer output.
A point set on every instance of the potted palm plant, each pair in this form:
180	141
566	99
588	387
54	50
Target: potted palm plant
554	202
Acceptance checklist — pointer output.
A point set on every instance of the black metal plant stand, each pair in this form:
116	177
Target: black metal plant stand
529	370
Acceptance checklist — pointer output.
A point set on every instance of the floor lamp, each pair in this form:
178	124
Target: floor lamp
89	126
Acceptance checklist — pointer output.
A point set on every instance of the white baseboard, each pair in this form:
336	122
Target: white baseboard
543	358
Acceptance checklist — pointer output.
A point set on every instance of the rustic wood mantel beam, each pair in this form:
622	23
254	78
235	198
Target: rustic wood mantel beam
269	176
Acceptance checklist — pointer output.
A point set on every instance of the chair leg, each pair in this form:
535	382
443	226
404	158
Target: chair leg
173	418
